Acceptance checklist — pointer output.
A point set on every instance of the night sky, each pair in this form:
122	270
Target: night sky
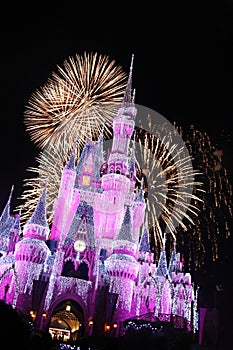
182	69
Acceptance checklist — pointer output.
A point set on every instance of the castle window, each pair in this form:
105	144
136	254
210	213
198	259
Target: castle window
82	230
68	269
86	180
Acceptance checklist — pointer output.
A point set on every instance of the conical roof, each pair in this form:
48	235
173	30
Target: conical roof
162	264
39	215
71	162
144	246
125	232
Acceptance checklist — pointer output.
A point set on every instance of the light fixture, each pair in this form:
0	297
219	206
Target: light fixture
68	308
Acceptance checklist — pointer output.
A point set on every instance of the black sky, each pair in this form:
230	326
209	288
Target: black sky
182	68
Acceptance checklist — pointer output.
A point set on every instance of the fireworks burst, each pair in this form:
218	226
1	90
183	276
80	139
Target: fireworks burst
171	191
80	99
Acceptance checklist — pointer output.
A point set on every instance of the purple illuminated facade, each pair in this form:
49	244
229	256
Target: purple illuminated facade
96	253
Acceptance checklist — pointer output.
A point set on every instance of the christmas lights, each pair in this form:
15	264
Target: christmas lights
97	225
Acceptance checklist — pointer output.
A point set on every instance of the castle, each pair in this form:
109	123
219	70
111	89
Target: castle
92	269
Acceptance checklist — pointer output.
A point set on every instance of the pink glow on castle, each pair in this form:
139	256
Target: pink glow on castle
96	256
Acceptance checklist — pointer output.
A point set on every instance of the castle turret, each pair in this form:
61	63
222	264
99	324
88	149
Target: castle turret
132	170
138	213
89	164
6	226
31	252
119	176
15	233
123	128
123	268
67	200
144	251
162	269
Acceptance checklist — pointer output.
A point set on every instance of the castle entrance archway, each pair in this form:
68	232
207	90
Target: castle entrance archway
67	321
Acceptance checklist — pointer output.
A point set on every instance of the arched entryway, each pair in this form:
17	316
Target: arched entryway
67	321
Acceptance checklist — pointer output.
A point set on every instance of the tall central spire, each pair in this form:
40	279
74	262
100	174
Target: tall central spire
123	127
128	98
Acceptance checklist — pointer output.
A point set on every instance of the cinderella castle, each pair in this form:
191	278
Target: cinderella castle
92	271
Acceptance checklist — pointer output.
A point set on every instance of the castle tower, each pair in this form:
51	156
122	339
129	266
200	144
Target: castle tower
66	202
144	251
89	164
117	180
123	268
6	226
139	206
14	233
31	253
132	171
123	128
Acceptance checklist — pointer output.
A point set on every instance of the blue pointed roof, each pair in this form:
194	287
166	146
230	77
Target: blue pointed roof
84	153
71	162
6	220
172	262
39	215
125	232
6	211
162	264
131	164
99	158
140	196
17	221
144	246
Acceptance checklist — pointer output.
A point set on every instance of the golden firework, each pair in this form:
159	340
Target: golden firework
80	99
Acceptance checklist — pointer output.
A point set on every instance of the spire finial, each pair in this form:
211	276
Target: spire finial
11	192
131	65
